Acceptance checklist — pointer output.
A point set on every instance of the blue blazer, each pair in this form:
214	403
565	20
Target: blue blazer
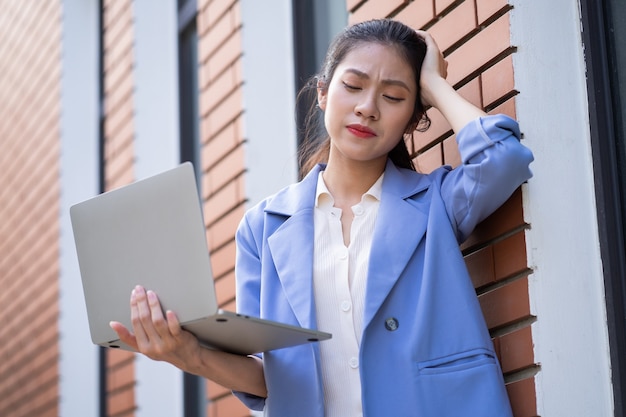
437	358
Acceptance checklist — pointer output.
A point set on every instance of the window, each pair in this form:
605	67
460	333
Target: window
188	82
315	23
604	35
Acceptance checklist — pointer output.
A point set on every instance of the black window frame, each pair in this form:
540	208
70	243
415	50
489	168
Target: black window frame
194	387
315	23
609	159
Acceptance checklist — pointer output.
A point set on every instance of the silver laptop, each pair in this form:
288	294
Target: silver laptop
152	233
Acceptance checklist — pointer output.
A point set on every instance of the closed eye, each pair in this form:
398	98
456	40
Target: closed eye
395	99
350	87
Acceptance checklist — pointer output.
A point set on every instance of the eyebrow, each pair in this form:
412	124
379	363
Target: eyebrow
386	81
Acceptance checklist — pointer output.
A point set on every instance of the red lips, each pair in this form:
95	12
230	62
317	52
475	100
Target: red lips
361	131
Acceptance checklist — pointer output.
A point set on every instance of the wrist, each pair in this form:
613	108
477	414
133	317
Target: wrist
433	89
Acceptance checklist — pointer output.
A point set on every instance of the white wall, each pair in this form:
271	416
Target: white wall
566	288
79	181
269	97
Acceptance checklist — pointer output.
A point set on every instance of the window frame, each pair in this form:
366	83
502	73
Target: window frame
605	137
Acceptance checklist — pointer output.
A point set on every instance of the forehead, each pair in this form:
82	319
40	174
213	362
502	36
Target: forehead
378	60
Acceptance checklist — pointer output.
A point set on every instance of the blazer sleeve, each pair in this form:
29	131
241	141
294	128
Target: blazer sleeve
248	277
494	164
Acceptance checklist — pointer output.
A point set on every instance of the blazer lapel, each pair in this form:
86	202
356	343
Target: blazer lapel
401	225
291	245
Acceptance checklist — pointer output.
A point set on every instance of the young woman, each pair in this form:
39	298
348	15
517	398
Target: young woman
367	248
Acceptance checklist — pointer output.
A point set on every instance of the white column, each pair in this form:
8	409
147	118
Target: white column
566	288
78	365
269	97
159	389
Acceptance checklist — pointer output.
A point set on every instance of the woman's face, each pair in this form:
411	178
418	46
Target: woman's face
368	104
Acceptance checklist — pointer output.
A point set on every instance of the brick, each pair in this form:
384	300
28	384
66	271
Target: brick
217	9
498	81
29	206
219	33
225	288
223	230
485	46
439	128
218	90
219	146
235	14
375	9
119	119
223	259
231	166
472	92
227	111
113	9
481	266
120	402
506	304
429	160
417	14
487	8
118	37
510	256
117	358
516	350
223	57
441	5
451	155
508	108
225	199
523	398
121	377
202	19
454	26
353	4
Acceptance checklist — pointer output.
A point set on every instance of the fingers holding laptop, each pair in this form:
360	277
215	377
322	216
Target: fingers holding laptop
154	334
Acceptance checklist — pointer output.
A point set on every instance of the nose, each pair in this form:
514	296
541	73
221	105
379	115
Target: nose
367	107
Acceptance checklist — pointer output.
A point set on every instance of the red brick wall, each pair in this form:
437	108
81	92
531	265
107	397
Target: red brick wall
223	166
475	38
30	51
118	165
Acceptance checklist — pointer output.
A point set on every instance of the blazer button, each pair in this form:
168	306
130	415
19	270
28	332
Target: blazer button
391	324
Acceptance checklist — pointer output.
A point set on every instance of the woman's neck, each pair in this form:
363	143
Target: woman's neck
348	182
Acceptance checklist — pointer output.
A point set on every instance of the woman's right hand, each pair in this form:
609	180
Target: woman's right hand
159	337
434	69
438	93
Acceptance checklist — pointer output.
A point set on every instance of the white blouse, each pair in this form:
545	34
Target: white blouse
339	281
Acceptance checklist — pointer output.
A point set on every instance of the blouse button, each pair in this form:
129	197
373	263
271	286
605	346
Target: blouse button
345	305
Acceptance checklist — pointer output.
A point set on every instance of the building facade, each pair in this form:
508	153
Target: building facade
95	94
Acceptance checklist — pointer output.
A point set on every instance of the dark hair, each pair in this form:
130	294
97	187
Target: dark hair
316	142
